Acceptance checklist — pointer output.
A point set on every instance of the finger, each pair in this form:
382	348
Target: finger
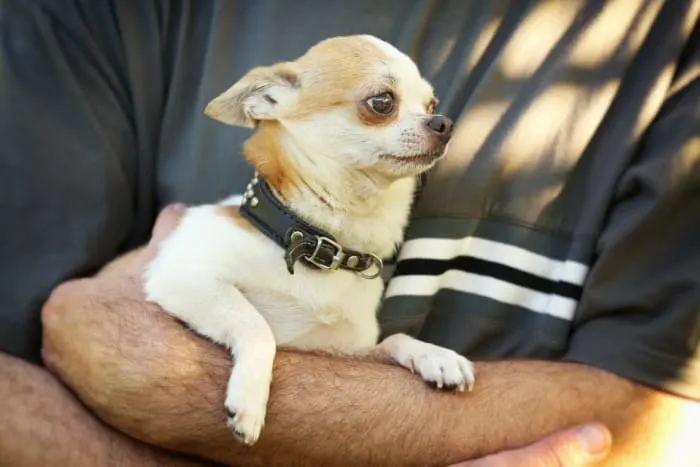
577	447
167	220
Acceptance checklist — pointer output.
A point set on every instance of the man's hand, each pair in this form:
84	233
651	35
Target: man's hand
136	356
43	424
581	446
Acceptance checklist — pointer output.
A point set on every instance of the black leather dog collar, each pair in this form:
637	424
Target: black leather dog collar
299	239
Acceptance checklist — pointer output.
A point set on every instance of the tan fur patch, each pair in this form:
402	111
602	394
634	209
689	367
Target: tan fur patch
232	214
338	72
263	152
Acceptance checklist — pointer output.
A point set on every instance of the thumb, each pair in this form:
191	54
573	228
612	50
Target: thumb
576	447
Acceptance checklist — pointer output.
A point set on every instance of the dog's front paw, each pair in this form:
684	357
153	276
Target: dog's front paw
438	366
246	404
442	368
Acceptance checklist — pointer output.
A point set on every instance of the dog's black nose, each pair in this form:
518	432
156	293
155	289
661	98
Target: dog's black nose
442	126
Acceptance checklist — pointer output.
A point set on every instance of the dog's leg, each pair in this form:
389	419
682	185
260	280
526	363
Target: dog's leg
440	367
223	314
253	348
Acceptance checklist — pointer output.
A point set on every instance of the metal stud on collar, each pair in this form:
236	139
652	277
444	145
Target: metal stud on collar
274	219
296	236
249	195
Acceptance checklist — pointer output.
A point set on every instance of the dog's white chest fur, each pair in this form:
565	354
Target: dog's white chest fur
212	262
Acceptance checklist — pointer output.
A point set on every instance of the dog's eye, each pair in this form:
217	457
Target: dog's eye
382	104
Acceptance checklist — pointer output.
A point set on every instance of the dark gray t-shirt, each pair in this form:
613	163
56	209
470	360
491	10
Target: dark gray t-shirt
564	224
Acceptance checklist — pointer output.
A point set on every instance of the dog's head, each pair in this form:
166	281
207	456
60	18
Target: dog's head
355	99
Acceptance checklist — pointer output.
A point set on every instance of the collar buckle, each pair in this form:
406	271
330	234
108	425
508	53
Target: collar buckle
336	259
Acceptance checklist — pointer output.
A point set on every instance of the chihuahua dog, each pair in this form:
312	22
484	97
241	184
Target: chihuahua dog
341	134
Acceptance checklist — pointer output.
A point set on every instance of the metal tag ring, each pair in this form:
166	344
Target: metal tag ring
376	261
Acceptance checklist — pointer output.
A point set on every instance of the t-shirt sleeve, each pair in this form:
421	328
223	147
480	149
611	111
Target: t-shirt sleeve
65	173
639	316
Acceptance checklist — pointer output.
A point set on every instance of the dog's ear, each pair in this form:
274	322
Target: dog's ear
265	93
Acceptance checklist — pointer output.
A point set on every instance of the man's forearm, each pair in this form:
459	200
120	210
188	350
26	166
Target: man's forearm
147	375
326	411
42	424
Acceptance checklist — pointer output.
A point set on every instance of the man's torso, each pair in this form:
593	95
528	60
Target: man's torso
549	107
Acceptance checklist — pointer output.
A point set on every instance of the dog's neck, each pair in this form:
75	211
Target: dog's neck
364	211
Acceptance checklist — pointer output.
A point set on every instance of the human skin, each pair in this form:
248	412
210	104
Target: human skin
43	424
145	374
